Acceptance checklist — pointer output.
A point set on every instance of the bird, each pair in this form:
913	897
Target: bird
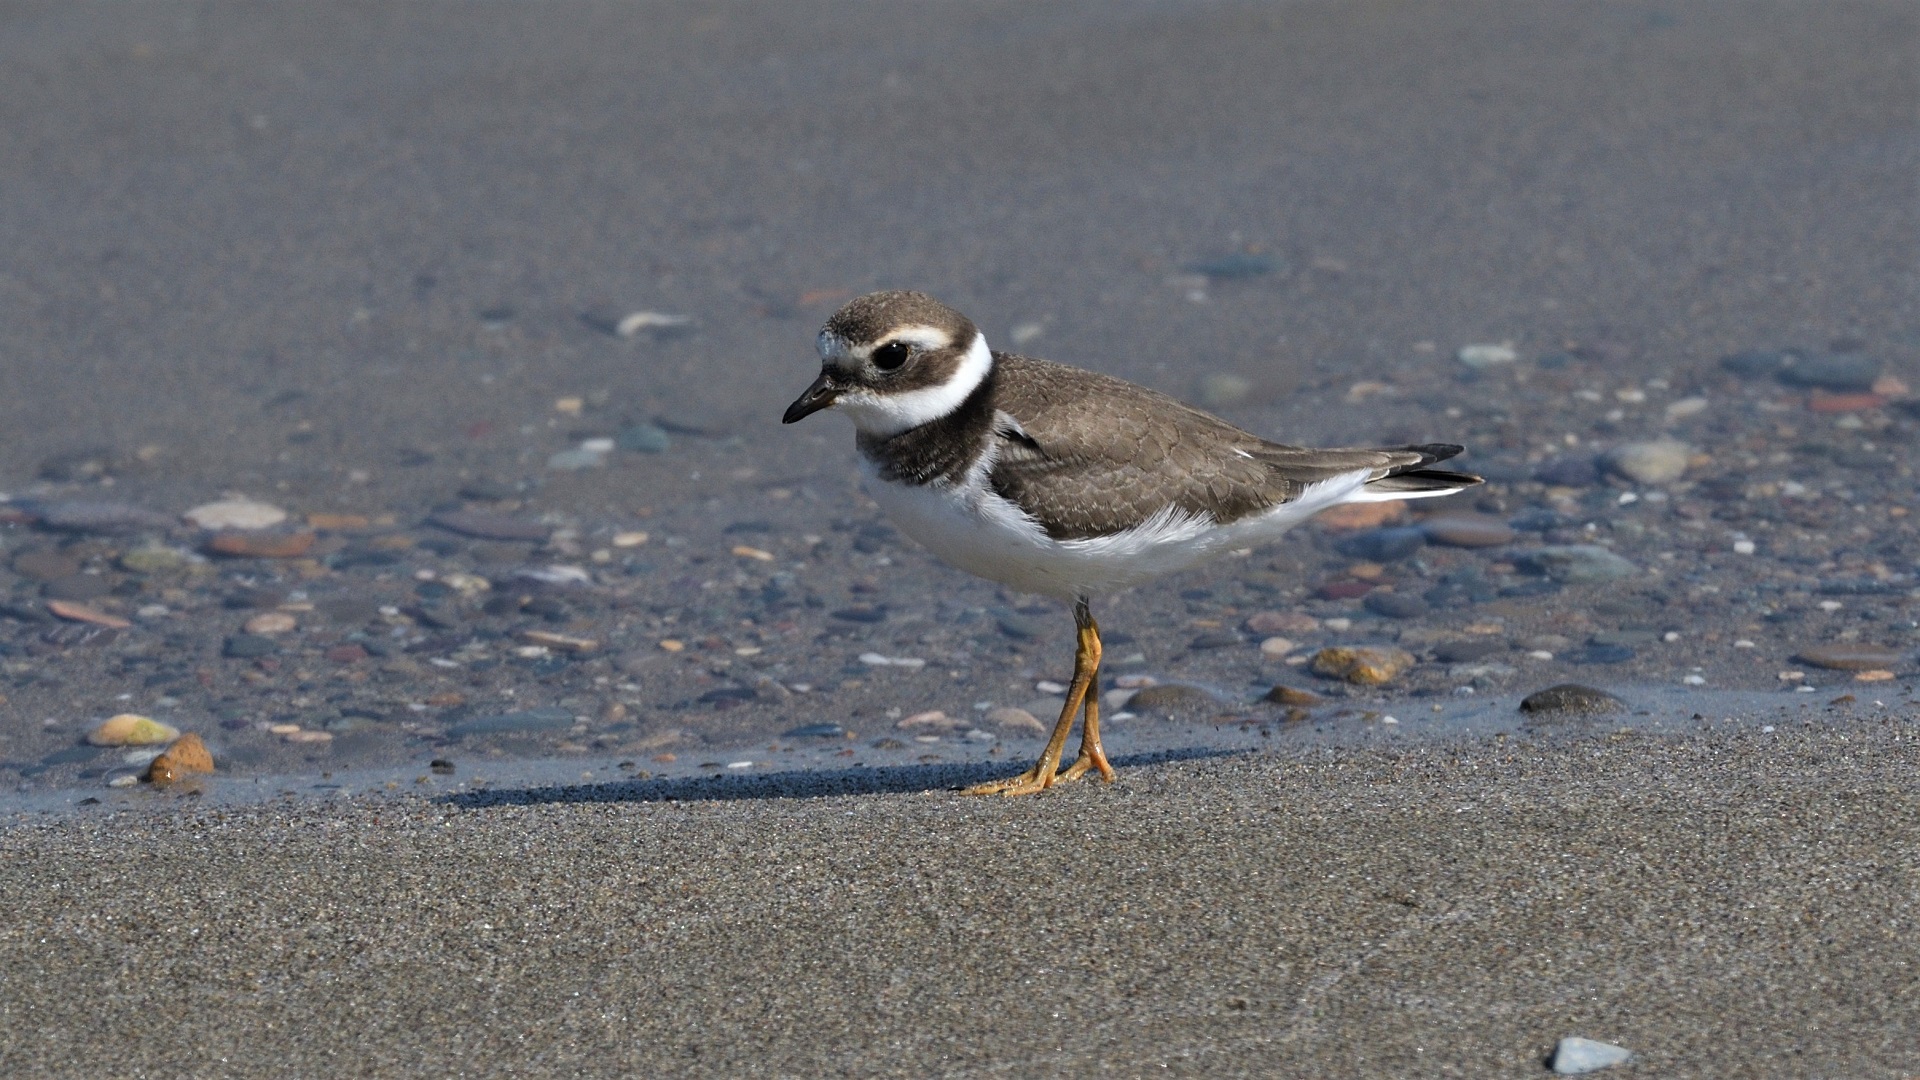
1068	483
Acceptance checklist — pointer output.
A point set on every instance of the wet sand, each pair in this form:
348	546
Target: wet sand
371	263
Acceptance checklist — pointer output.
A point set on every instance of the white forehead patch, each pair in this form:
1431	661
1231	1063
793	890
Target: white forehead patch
891	414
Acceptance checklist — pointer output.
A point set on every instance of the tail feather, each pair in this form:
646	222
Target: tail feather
1414	480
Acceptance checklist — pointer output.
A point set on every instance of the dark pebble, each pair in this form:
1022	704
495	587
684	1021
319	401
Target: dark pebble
872	539
643	438
1215	640
76	466
84	516
485	490
861	613
1466	652
1571	698
1018	627
441	766
1861	587
1579	470
27	613
1599	654
726	697
1384	545
249	646
489	526
1396	605
1539	519
1829	372
1173	700
1755	363
551	718
816	731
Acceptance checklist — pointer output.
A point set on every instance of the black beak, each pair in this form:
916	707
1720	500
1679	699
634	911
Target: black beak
812	400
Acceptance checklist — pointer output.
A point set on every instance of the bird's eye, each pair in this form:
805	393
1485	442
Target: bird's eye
890	356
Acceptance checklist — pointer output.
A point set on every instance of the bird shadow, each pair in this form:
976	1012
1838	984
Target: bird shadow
792	784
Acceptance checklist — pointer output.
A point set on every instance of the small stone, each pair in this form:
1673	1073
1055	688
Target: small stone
270	623
1574	1056
261	545
1755	363
1215	640
1351	517
744	551
815	731
132	729
1571	698
1844	373
350	653
643	438
1484	356
89	516
1874	675
1384	545
235	514
1600	653
154	559
1014	719
1467	651
73	612
1281	622
659	323
1467	529
1294	696
551	718
1656	461
188	756
1573	470
1685	407
1363	665
249	647
1851	657
1218	390
1174	701
933	721
490	526
874	659
578	458
1344	590
1395	605
1274	648
630	538
1821	401
562	642
308	737
1576	564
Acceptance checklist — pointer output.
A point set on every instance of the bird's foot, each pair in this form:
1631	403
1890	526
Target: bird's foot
1091	757
1039	778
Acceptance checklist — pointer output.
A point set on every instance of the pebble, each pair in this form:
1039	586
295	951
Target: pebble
73	612
235	514
490	526
248	647
1290	695
1365	665
1281	622
815	731
1011	718
1685	407
562	642
874	659
933	721
580	457
643	438
270	623
1274	648
550	718
1851	657
188	756
132	729
1574	1055
1755	363
1220	389
93	516
261	545
154	559
1174	701
1461	528
1483	356
308	736
660	322
1822	401
554	575
1849	372
1600	653
1573	470
1655	461
1395	605
1384	545
1352	517
1575	564
1218	639
1571	698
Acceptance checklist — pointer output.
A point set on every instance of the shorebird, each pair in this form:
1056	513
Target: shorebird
1065	482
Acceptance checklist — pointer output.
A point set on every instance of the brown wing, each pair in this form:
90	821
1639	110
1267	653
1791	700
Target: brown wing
1092	454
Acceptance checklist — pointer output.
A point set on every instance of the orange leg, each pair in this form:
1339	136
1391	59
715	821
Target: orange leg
1083	693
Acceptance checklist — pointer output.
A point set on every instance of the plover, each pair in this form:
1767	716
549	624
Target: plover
1068	483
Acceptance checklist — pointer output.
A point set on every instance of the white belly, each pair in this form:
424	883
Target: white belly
976	530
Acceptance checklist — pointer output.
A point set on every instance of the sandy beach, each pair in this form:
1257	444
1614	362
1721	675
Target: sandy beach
574	717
